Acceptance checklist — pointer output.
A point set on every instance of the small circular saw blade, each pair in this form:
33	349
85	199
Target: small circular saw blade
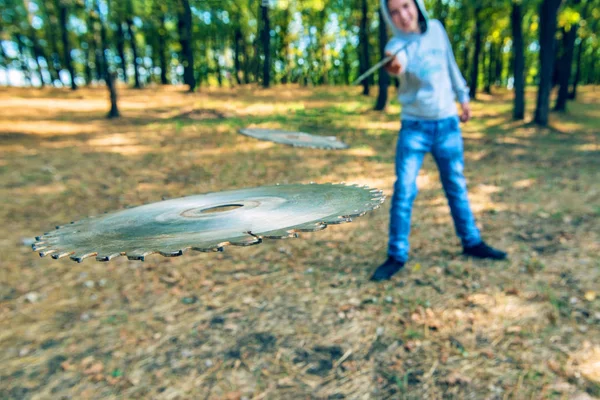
296	139
209	221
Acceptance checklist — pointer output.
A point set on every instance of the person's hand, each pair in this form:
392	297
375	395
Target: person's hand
466	112
393	67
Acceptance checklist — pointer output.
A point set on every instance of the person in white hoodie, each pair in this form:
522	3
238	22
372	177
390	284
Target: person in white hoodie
430	84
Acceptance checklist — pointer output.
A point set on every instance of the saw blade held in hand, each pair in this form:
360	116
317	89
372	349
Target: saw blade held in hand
210	221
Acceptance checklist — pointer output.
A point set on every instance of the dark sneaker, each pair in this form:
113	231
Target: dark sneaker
482	250
386	270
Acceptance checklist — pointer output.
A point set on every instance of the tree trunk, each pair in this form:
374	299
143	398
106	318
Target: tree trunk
266	40
547	29
185	38
38	51
237	38
108	76
88	61
346	64
518	62
54	66
573	92
384	78
136	73
499	65
565	71
162	46
4	62
63	15
488	72
93	47
475	63
364	46
121	48
23	59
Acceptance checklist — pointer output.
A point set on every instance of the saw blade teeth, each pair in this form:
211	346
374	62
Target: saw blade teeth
79	257
107	257
248	241
38	248
313	227
280	234
62	254
47	252
139	254
338	220
171	253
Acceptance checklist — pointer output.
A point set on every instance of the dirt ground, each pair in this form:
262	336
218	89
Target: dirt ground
297	318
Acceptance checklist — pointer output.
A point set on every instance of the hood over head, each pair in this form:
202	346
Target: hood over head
423	19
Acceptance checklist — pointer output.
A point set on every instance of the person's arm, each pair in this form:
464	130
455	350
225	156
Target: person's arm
398	64
459	85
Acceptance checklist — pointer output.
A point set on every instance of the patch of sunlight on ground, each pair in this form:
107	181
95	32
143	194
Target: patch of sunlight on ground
362	151
588	147
523	183
124	150
587	362
480	197
261	108
38	190
377	125
47	127
473	135
511	140
475	155
520	152
500	310
112	140
244	147
52	106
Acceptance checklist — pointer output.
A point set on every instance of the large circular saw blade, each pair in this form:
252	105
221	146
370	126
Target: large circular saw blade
210	221
297	139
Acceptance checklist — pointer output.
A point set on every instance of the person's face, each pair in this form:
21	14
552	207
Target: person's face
405	15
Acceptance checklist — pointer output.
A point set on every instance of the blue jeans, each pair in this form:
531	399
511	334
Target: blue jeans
444	140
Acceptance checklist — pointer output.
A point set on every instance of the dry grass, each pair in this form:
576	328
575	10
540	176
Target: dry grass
296	318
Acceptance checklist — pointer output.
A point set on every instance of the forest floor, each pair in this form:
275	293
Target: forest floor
297	318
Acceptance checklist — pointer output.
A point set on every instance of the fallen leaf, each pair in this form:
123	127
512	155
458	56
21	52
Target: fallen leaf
456	378
590	295
95	368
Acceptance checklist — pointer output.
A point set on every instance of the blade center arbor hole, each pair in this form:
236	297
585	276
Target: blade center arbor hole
221	208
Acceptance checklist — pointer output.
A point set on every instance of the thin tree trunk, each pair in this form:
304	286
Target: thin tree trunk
475	63
54	66
88	61
488	73
185	23
364	46
266	41
108	76
38	52
518	62
573	92
4	64
23	59
121	48
384	78
499	65
565	71
63	15
162	46
547	29
136	73
237	37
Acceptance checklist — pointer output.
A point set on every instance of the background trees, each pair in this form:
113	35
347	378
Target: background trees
497	43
